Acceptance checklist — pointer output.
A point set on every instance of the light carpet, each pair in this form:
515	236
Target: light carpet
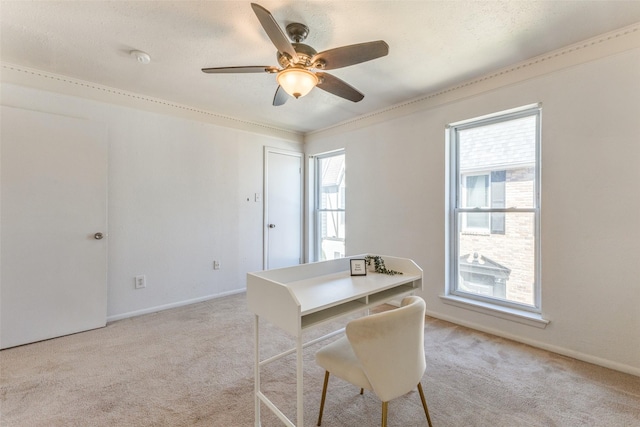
193	366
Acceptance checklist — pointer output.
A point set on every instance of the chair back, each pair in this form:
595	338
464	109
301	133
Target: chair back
390	347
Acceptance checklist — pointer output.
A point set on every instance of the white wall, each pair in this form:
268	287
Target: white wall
590	202
179	188
178	193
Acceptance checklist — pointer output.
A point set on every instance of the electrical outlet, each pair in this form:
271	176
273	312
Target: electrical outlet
216	265
141	281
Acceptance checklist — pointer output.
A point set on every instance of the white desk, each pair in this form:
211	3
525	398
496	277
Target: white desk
300	297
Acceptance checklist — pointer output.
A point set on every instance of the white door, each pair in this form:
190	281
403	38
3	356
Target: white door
283	208
54	193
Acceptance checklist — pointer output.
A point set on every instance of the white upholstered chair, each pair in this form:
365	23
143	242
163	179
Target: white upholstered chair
383	352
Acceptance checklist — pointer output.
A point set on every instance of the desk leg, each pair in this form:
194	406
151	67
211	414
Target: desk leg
299	376
256	370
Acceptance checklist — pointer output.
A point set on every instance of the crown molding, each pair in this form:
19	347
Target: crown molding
612	43
24	76
608	44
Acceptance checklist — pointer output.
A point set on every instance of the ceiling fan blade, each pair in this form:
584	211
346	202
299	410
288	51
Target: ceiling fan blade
350	55
334	85
247	69
280	97
273	30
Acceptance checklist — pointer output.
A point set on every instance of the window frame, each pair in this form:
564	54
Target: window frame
465	228
317	203
454	228
490	195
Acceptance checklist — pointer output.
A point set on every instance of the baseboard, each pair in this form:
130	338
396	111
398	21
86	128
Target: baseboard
544	346
172	305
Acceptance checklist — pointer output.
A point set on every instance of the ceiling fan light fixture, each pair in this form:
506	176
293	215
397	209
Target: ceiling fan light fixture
297	82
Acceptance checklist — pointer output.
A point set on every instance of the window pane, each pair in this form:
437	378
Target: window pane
332	233
477	191
499	265
507	151
476	222
331	183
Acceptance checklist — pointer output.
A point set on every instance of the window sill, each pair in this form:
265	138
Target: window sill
513	314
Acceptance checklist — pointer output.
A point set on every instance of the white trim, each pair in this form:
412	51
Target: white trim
611	43
315	232
621	367
163	307
457	197
521	316
608	44
309	211
496	117
592	49
29	77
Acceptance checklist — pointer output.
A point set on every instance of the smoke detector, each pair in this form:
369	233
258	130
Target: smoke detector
141	57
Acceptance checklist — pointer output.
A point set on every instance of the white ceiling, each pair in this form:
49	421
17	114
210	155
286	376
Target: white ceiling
432	45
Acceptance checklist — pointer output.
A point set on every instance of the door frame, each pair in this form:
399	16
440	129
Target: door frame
265	205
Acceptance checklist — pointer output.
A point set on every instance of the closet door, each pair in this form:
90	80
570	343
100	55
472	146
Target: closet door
283	208
53	226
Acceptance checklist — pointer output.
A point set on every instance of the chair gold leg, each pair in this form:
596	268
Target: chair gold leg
424	404
385	406
324	394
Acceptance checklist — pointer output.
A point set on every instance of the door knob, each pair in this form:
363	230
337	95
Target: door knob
272	226
98	236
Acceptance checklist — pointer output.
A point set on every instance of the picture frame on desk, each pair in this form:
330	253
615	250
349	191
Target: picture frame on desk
358	267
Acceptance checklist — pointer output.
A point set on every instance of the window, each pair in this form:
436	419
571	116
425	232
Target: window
476	195
493	226
484	191
330	206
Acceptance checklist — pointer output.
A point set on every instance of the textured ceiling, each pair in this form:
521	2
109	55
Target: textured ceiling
432	45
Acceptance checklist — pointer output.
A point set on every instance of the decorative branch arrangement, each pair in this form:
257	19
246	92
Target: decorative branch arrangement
379	265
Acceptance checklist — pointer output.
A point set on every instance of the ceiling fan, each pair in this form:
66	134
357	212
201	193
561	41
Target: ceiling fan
297	74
